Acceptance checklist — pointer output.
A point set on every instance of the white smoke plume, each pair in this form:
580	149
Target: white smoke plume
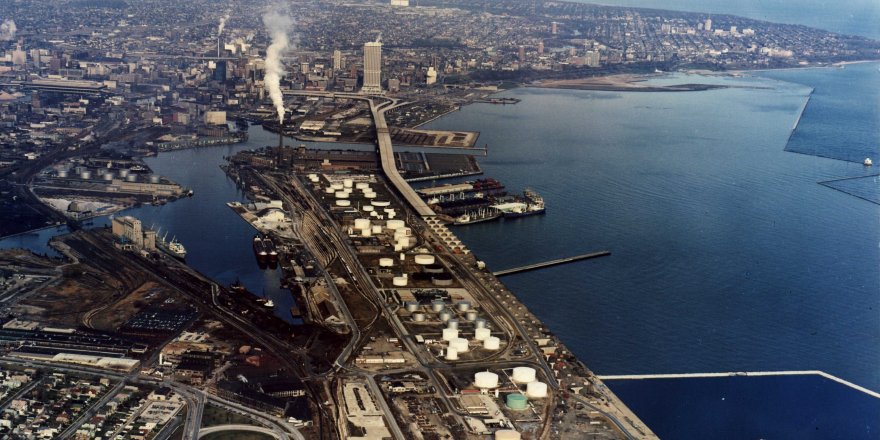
277	23
7	30
222	24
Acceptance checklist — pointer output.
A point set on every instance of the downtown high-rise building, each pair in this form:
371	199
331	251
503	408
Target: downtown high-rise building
372	68
337	60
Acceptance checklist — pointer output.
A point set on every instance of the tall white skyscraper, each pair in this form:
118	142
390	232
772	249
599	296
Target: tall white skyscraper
372	68
708	25
337	60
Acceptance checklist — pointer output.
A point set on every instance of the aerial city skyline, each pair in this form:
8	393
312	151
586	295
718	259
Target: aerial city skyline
438	219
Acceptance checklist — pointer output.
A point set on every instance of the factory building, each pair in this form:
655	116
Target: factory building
130	230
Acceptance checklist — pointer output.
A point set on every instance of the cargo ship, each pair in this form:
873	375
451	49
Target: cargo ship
173	247
270	249
479	216
530	204
260	250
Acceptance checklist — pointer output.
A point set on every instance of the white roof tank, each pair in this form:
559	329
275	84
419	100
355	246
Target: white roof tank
451	354
424	259
399	281
492	343
481	334
343	202
523	374
361	223
450	334
486	379
536	390
459	344
386	262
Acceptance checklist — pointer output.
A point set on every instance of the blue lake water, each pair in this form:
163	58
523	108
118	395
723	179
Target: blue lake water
853	17
773	407
726	253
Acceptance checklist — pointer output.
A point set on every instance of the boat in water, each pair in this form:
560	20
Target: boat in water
173	247
868	162
478	216
270	249
260	250
530	204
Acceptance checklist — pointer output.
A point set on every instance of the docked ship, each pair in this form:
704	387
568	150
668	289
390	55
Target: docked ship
270	249
530	204
260	250
479	216
173	247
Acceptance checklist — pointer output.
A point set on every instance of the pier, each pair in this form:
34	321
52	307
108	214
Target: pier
551	263
800	115
743	374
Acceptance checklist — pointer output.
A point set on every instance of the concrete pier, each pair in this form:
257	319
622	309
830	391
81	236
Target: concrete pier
551	263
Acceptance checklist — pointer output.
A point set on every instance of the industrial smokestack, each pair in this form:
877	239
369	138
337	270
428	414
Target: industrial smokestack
220	28
277	24
7	30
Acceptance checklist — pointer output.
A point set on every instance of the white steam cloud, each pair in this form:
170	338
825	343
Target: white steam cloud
277	24
222	24
7	30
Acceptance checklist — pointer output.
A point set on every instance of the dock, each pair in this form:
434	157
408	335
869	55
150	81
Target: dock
551	263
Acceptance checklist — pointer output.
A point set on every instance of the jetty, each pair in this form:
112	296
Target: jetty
551	263
744	374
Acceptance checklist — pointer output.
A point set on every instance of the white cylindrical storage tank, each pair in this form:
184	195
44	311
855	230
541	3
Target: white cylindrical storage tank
131	178
463	306
486	379
62	174
85	175
437	306
492	343
108	176
470	315
369	195
388	210
411	306
368	208
523	374
480	323
424	259
399	281
445	315
337	186
377	229
450	334
343	202
329	190
361	185
507	434
481	334
460	344
341	194
451	354
124	172
536	390
373	214
361	223
419	317
386	262
366	233
380	203
452	323
403	242
347	183
395	224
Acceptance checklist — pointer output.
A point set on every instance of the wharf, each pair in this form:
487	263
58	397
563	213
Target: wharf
551	263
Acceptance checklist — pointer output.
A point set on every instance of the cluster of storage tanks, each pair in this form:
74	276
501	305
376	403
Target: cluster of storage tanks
101	174
535	389
452	333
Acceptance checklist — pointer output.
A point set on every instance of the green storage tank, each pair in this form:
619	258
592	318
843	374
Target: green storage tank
517	401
